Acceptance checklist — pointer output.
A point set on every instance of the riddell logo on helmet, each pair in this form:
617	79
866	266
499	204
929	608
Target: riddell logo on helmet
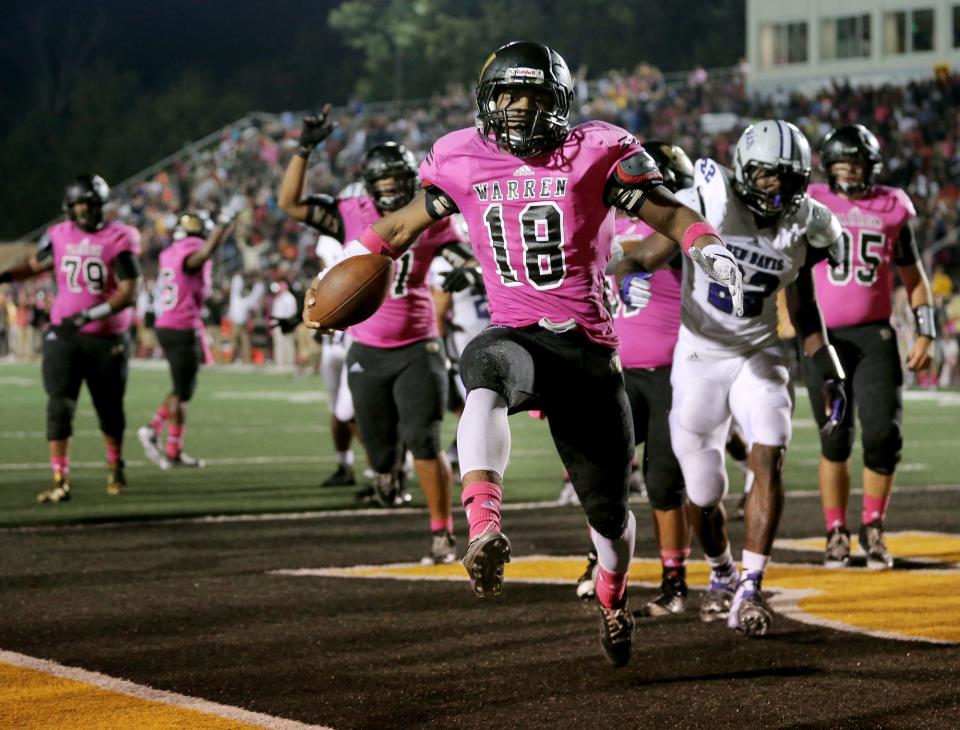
522	73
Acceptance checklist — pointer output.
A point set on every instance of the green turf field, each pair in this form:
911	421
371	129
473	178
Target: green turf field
265	437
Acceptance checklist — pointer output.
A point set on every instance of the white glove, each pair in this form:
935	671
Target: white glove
350	249
720	265
231	210
635	290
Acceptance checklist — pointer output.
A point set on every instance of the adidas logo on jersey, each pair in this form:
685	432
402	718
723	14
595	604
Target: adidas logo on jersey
693	357
523	171
356	368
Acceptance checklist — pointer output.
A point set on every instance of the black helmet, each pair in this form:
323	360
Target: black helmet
390	160
192	224
675	166
852	142
525	132
92	190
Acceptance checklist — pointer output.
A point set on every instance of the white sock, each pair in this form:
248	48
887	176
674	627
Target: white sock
483	436
723	560
345	458
754	562
615	555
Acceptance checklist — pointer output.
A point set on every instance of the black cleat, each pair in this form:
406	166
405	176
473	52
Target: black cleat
342	477
484	560
874	546
672	598
837	554
116	479
587	582
616	634
443	549
59	492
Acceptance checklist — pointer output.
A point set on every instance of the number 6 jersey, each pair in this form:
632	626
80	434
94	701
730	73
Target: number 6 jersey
770	258
84	268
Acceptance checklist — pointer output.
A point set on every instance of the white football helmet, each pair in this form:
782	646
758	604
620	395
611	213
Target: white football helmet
776	146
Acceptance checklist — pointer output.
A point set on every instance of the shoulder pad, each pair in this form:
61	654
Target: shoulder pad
44	247
712	183
639	169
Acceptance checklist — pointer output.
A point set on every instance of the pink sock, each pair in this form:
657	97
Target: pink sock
611	588
159	418
60	465
835	517
874	508
441	525
481	500
175	440
674	558
113	454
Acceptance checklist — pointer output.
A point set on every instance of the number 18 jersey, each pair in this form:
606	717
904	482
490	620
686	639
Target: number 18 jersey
770	258
538	226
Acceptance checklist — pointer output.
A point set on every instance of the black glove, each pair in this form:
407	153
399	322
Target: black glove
315	129
462	278
835	395
72	324
286	325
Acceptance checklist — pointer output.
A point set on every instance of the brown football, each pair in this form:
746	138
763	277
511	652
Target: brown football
352	291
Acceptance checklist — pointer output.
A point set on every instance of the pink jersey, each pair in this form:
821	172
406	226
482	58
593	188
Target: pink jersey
407	315
538	227
181	293
648	336
860	289
83	265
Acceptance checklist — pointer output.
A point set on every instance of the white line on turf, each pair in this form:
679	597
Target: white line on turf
378	512
143	692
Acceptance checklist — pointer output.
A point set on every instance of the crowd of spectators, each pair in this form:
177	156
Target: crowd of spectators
268	257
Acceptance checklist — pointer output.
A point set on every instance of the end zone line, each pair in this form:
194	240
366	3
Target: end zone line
375	512
143	692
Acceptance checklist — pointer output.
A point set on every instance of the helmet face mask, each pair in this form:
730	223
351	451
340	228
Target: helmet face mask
390	176
530	72
84	200
853	143
772	168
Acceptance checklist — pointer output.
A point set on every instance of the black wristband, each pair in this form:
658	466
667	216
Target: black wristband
827	363
5	277
926	319
304	152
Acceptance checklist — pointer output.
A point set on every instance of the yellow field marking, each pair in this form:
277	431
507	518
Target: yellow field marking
921	605
35	693
933	546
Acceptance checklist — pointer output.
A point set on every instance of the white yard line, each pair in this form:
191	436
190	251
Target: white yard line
333	514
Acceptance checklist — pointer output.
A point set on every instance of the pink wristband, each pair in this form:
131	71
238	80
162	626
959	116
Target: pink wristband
693	233
375	243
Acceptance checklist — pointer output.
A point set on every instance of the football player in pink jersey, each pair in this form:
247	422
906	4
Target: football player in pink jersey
96	268
855	296
183	283
538	200
396	365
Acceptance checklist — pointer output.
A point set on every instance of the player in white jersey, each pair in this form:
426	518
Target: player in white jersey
340	401
735	366
462	313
